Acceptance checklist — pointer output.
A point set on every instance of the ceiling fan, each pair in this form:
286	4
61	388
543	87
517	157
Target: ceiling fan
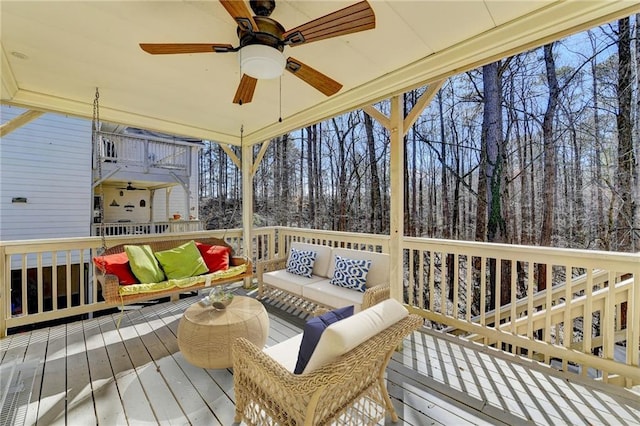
262	41
130	187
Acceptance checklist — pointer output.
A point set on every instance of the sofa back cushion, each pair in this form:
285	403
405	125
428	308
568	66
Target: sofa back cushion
321	264
379	271
344	335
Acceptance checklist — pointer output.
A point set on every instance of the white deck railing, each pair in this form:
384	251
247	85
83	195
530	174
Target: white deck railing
450	283
445	281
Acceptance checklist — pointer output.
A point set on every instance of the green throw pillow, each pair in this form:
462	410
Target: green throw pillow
143	264
182	262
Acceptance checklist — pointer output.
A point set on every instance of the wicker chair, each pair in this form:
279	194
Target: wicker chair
348	391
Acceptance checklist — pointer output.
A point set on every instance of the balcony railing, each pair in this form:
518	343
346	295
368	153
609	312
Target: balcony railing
587	320
144	152
137	228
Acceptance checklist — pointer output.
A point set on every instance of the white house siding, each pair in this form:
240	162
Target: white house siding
48	162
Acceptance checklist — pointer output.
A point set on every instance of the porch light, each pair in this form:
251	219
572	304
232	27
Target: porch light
261	62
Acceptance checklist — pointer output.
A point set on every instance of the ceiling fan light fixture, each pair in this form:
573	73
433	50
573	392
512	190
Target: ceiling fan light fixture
261	61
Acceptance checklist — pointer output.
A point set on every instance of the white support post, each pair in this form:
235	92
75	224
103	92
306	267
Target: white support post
396	227
247	205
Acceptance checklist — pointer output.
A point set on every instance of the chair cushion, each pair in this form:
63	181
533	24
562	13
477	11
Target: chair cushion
323	259
342	336
215	257
313	329
182	261
144	264
351	273
285	353
116	264
301	262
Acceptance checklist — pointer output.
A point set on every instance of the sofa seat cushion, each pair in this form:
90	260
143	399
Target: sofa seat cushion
342	336
328	294
285	353
289	282
185	283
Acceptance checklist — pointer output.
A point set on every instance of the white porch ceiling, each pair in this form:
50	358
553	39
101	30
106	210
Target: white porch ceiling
69	48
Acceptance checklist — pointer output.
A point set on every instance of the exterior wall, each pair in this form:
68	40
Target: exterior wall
121	204
48	162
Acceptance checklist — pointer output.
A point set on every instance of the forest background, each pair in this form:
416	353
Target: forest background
540	148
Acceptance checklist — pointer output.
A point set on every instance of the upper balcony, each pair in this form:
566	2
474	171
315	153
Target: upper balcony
155	158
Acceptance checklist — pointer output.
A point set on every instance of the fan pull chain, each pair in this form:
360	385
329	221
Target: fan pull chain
280	112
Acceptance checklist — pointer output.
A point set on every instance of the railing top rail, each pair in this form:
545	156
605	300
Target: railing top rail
336	234
516	252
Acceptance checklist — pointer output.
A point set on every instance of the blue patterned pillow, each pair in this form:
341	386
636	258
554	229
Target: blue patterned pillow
351	273
301	262
313	330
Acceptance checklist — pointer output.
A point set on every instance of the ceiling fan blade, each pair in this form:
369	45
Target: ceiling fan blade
240	13
244	94
351	19
313	77
171	48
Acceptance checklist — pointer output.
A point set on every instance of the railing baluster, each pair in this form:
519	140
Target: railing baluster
456	286
54	281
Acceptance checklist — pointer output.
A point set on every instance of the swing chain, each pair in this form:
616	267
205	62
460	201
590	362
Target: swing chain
95	126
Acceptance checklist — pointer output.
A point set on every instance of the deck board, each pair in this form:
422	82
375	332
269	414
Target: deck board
92	372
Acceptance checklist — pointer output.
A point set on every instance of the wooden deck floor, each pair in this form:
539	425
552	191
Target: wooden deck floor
91	372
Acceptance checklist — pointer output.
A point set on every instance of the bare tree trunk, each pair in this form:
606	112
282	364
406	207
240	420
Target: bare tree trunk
376	200
493	142
301	183
624	221
636	173
601	233
443	174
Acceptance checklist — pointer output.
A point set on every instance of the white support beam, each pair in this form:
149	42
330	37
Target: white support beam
378	116
422	103
263	150
227	149
19	121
